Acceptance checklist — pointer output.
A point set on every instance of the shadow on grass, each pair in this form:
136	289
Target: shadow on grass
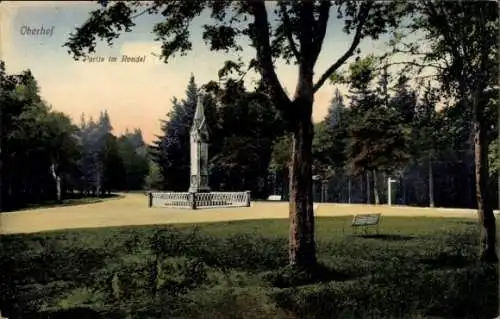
388	237
445	260
42	270
288	276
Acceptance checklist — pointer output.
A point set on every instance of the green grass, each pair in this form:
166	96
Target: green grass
417	268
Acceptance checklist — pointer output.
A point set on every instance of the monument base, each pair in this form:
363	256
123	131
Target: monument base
195	200
199	189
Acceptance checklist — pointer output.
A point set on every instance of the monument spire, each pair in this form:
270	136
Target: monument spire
199	150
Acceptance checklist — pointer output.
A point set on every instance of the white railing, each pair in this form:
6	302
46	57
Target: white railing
199	200
170	199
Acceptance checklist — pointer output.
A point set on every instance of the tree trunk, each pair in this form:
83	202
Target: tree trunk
349	188
484	207
403	189
302	247
368	189
1	182
431	184
57	180
98	185
1	162
375	187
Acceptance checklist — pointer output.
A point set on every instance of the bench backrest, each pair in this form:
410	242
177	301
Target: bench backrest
365	219
274	197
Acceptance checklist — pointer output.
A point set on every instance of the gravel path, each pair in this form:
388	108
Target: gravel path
132	210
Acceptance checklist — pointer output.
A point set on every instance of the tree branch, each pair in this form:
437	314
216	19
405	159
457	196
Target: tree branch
447	34
147	10
362	16
324	15
260	39
288	31
412	63
306	32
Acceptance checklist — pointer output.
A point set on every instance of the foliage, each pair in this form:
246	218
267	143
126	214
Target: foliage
42	150
132	150
242	127
171	149
377	132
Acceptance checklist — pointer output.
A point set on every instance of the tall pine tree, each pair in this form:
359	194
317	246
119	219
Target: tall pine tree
171	149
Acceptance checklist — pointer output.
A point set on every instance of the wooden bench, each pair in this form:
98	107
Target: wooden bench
364	221
274	198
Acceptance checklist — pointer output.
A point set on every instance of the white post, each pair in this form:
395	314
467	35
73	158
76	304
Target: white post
389	190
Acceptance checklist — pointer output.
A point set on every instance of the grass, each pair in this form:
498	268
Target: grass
416	268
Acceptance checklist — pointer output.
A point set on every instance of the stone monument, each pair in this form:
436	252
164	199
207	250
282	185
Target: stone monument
199	151
199	194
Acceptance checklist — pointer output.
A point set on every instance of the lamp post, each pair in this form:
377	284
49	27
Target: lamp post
389	190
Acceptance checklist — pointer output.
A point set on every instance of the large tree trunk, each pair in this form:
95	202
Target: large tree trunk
1	163
1	181
484	207
302	246
431	184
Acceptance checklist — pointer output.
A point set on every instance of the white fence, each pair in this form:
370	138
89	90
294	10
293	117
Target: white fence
199	200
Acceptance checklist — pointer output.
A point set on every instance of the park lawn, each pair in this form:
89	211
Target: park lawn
416	268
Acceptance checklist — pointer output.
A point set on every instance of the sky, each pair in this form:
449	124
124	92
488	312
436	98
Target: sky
135	94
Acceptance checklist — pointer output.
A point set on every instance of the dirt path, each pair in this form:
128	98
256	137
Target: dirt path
133	210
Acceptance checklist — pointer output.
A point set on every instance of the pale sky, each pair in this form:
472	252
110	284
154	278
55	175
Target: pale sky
135	94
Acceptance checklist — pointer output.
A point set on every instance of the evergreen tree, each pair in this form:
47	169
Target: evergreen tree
426	135
335	110
336	124
135	161
377	139
171	149
404	100
114	172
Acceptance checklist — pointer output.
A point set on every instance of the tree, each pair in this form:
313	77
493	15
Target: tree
135	160
171	149
62	148
377	140
404	100
336	125
427	135
39	146
462	42
280	162
114	172
93	137
242	138
304	22
153	179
